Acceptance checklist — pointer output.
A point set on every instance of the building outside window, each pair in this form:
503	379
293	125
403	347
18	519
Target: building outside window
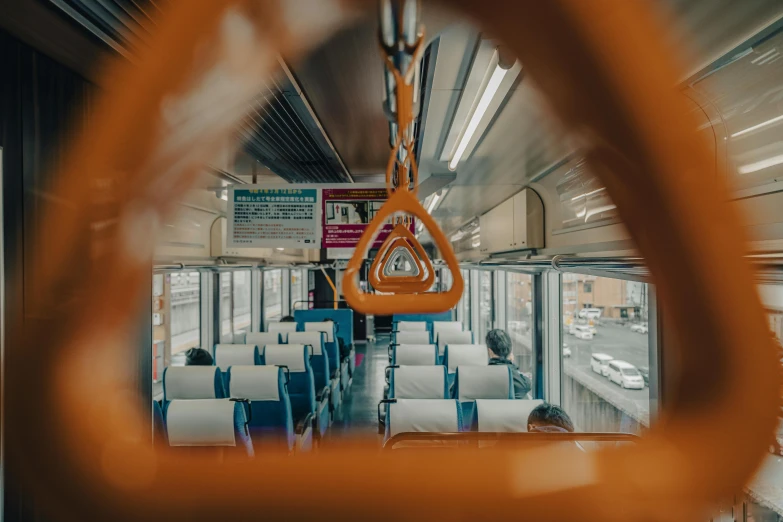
273	296
519	318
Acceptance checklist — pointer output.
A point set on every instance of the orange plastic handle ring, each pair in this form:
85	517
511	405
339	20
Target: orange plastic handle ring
402	284
402	201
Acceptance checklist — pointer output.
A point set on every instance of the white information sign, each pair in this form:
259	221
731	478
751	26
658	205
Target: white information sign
280	216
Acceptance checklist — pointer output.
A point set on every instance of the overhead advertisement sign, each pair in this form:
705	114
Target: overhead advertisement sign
347	213
267	217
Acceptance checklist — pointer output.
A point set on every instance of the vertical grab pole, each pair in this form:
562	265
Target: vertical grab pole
331	283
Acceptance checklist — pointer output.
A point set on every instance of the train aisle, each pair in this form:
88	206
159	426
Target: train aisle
358	415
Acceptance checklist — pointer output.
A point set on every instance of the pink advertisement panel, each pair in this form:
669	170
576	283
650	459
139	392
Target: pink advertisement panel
346	214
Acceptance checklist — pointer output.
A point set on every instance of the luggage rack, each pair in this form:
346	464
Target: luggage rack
520	437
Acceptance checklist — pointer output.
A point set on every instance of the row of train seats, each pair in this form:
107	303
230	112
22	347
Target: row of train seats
438	360
281	386
451	416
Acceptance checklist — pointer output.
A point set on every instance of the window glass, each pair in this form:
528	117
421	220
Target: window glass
463	307
772	297
519	312
241	300
176	321
605	316
273	296
226	333
486	303
297	291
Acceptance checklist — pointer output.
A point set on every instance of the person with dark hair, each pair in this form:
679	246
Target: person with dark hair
548	418
198	357
499	347
288	319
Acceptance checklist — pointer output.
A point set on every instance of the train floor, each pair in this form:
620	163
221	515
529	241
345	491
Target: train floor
358	415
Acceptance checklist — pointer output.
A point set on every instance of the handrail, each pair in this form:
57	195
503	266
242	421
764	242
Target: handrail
522	437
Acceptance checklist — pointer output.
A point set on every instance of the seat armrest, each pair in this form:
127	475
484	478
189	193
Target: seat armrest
304	424
325	392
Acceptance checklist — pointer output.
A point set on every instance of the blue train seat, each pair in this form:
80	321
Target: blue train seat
412	337
192	382
208	426
332	347
445	326
158	427
482	382
455	355
502	415
282	328
428	318
411	326
414	355
227	355
418	382
261	339
323	371
305	400
422	415
453	337
270	418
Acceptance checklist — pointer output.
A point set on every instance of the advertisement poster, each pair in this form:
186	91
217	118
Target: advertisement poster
268	217
346	214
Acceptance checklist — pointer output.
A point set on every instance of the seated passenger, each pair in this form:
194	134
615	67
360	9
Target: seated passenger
198	357
548	418
499	347
288	319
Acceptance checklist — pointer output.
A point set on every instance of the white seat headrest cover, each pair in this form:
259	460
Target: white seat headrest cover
234	354
261	339
207	422
189	382
423	415
411	325
409	337
256	383
441	326
483	382
507	416
467	355
322	326
415	354
419	382
454	336
290	355
281	327
311	338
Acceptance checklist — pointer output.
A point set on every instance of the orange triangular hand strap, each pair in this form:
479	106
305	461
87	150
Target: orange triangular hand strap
402	201
401	238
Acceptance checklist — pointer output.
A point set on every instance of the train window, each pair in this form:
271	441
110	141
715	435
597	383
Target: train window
605	328
519	312
240	312
273	295
297	291
463	307
226	332
486	303
772	297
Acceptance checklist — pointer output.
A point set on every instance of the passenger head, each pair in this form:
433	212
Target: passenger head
288	319
499	344
549	416
198	357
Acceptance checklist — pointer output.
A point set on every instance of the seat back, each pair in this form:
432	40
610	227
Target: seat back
481	382
444	326
192	382
215	423
423	415
282	328
408	326
327	327
321	361
415	355
505	416
456	355
261	339
453	337
412	337
236	355
418	382
270	416
301	384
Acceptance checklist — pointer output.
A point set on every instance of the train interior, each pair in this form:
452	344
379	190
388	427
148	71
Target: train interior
542	251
